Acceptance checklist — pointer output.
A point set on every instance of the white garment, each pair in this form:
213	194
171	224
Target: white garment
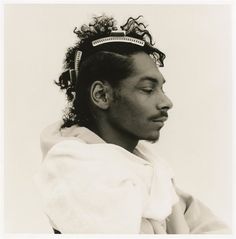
90	186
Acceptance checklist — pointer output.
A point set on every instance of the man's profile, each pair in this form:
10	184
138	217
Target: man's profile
97	176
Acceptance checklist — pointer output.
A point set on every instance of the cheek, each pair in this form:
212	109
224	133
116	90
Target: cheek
133	109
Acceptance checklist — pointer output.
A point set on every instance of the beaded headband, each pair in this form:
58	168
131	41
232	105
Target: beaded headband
74	72
78	56
118	39
118	36
115	36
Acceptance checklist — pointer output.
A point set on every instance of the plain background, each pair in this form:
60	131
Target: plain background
196	140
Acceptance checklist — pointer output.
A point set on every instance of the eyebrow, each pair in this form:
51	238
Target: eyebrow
155	80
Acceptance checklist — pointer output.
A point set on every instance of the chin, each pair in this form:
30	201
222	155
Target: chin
153	137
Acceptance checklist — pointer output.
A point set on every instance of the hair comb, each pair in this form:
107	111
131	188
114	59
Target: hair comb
118	36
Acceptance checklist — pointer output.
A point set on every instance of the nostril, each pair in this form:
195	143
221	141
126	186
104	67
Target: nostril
165	108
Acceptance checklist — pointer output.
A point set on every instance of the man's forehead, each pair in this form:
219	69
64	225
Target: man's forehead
145	68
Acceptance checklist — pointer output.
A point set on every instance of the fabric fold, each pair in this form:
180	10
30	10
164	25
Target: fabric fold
89	185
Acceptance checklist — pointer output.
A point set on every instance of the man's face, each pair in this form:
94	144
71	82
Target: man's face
141	106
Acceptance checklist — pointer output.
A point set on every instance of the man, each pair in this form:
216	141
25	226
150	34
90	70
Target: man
97	176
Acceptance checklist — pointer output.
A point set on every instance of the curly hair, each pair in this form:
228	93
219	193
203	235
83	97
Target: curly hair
100	63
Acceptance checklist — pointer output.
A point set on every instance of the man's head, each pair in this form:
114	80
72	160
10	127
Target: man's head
138	106
118	83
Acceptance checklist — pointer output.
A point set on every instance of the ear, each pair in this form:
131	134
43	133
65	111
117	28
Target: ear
100	94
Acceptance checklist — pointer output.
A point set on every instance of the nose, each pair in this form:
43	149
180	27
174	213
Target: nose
164	103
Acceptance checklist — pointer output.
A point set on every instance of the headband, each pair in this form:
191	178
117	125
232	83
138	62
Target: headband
115	36
118	36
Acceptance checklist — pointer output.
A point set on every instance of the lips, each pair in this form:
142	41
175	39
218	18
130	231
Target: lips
160	119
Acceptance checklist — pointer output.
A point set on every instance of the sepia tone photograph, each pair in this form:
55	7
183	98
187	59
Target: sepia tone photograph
118	119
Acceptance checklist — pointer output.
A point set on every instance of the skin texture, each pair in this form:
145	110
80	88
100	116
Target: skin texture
136	110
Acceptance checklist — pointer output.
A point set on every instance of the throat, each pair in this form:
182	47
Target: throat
125	143
117	137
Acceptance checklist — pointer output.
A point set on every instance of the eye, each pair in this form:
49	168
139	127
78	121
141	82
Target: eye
147	90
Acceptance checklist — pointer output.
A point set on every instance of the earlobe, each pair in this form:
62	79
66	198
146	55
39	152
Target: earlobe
99	94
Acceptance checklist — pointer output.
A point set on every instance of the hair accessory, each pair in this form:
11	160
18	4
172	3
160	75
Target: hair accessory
118	36
72	74
78	56
121	33
118	39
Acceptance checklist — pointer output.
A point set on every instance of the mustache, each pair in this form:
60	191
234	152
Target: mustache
164	114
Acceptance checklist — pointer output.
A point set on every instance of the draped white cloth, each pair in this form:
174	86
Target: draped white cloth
90	186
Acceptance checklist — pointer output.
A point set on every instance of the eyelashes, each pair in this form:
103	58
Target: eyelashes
151	90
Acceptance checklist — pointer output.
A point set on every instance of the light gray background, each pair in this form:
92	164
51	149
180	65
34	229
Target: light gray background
197	137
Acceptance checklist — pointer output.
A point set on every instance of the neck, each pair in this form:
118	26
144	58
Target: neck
116	136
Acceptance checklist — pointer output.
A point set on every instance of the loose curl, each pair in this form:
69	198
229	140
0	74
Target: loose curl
100	63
